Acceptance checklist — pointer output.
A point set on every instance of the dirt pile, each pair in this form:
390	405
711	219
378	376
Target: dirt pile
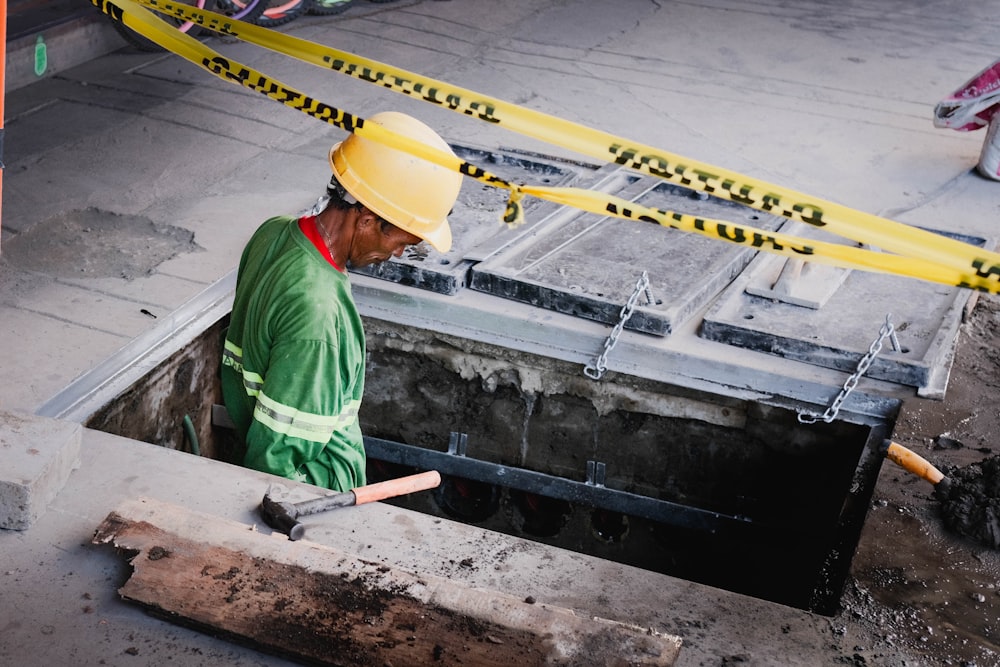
925	586
970	501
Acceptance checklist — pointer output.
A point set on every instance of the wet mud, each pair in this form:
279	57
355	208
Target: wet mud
970	501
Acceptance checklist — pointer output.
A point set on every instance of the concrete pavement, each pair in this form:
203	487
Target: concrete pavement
823	106
180	167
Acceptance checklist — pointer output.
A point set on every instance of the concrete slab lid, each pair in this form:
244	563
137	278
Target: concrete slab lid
475	220
579	263
836	328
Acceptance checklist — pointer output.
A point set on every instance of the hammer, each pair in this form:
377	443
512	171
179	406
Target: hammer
284	516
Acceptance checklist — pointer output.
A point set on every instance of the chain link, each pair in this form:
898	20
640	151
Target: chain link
886	331
596	369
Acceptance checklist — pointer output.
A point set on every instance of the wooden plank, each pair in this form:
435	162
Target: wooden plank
323	606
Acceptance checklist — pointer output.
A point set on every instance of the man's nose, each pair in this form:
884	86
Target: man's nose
398	252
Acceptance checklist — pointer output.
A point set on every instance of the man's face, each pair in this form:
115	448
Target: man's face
377	241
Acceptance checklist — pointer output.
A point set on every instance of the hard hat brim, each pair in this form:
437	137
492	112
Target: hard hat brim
410	192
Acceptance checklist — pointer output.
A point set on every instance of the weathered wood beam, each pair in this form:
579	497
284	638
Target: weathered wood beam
319	605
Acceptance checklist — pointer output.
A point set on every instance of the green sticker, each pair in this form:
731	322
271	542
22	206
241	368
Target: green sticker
41	56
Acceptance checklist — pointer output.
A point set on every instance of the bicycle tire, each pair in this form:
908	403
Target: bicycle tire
282	13
142	43
242	10
328	7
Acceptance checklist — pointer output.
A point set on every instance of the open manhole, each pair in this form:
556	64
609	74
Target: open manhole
727	489
731	493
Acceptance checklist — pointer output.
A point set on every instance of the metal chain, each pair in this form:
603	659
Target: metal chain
886	331
596	369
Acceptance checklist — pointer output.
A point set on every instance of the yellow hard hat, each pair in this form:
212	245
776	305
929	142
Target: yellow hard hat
410	192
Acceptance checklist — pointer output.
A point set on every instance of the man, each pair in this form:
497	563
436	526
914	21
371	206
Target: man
294	359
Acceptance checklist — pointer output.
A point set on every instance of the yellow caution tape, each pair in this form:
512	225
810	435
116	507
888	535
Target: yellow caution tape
926	255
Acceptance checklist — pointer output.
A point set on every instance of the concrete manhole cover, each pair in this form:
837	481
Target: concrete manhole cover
92	243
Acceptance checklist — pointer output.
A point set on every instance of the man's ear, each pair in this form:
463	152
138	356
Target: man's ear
367	218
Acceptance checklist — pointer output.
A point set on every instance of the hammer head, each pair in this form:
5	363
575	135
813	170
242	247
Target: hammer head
281	516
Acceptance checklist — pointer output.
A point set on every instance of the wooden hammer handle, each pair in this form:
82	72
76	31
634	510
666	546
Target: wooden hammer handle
397	487
910	460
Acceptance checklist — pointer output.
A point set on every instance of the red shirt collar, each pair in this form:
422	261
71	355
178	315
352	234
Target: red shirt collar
310	227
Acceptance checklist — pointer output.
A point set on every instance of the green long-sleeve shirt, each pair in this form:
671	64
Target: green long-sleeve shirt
293	363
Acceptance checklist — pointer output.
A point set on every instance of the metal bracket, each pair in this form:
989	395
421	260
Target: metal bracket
458	443
596	471
221	418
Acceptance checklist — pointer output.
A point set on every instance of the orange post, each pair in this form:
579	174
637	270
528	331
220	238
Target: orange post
3	88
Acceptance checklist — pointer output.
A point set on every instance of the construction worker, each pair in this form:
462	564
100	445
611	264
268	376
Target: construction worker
294	358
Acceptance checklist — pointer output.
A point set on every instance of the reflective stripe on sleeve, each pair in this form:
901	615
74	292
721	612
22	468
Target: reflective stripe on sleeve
286	420
232	356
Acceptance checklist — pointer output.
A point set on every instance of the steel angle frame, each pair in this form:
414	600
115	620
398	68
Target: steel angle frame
589	493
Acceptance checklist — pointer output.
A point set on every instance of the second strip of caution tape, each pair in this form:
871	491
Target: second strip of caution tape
922	254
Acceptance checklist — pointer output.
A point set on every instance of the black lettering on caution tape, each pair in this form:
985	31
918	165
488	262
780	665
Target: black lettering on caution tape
657	165
733	233
647	160
253	80
429	93
110	8
985	270
172	8
215	23
277	91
